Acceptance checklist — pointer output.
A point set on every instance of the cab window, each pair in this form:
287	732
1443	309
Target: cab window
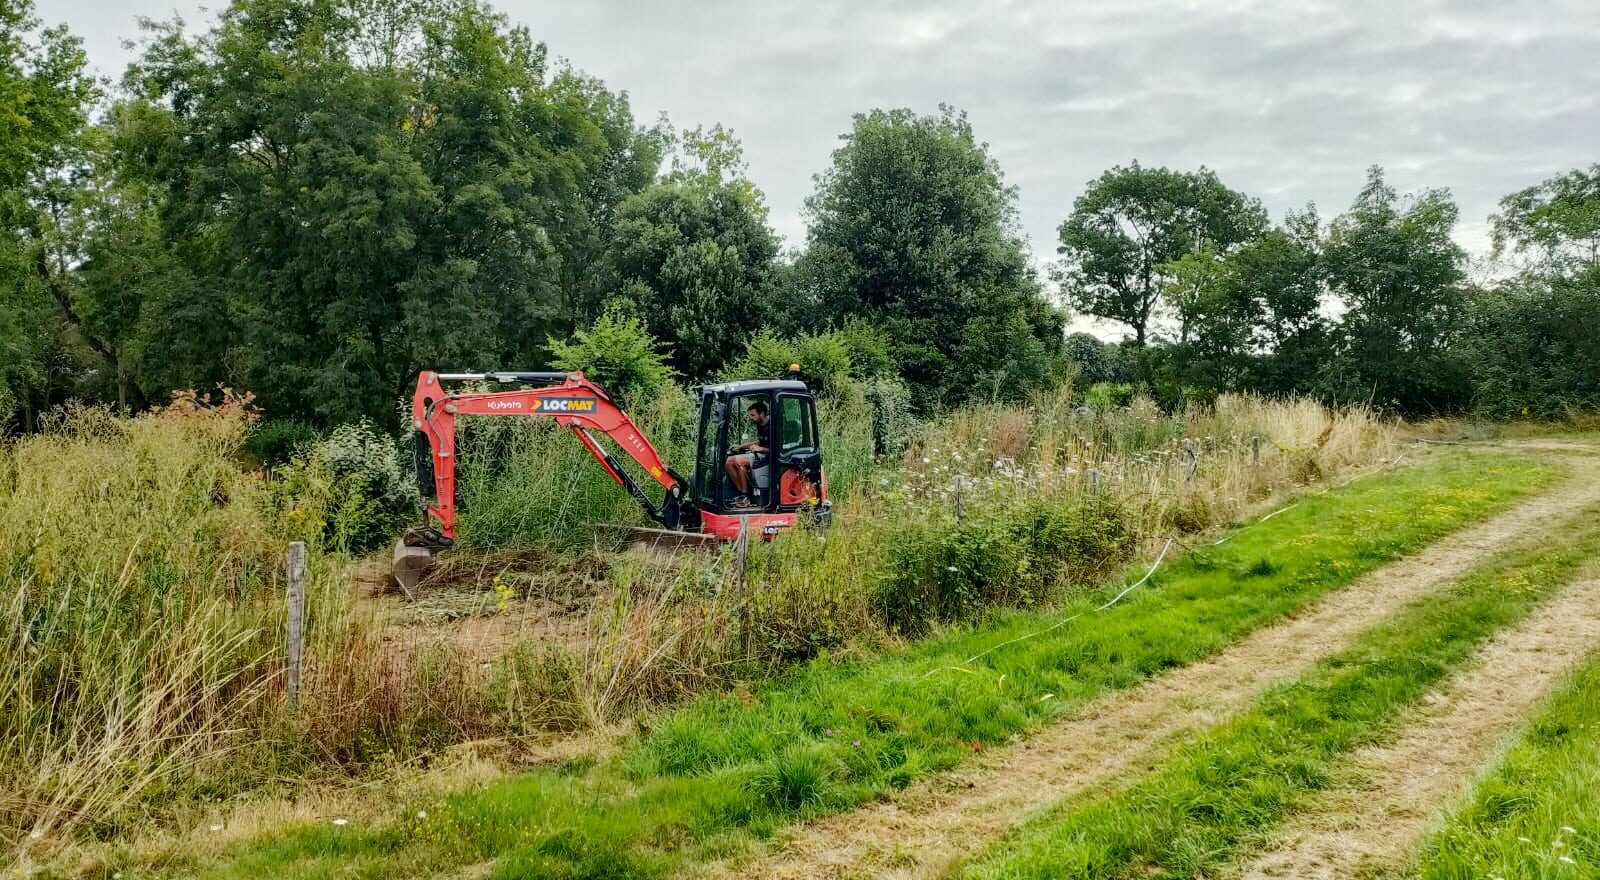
743	429
797	427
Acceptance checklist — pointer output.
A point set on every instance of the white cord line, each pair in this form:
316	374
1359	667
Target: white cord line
1064	621
1381	466
1229	536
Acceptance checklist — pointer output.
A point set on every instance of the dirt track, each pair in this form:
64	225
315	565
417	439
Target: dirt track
925	829
1396	789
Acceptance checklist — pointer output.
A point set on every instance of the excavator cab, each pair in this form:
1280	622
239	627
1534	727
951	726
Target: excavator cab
786	481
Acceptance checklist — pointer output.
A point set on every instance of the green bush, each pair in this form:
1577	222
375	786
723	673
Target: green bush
1105	395
276	441
892	418
1533	348
347	491
824	360
618	354
828	361
1006	557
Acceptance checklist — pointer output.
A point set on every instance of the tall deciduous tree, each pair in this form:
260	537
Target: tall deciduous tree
380	186
1533	345
1533	341
45	100
913	229
1280	273
1399	275
1556	223
1133	225
694	256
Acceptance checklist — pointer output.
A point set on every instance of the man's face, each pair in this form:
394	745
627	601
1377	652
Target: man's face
758	418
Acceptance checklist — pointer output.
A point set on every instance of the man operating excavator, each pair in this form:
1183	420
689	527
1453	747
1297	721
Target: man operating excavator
746	457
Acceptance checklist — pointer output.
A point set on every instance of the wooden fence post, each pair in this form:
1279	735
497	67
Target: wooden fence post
1255	449
297	617
1094	478
1193	456
741	548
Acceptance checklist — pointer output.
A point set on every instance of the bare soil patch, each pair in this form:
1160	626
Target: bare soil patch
1397	789
924	830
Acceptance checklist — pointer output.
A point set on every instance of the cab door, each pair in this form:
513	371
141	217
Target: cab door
798	452
710	441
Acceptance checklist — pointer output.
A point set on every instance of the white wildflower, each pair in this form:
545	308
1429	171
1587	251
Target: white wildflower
422	814
216	827
341	821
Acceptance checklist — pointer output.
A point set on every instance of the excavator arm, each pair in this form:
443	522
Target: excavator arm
573	401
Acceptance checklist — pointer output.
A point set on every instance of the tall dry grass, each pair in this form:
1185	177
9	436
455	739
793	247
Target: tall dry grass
142	624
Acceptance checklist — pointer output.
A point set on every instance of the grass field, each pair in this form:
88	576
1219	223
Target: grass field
706	779
1536	813
1195	813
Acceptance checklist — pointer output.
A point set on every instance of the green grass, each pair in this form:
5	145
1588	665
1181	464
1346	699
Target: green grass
1536	815
1215	796
703	779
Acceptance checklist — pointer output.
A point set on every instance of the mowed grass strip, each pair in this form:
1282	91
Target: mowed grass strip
1536	815
837	733
1219	795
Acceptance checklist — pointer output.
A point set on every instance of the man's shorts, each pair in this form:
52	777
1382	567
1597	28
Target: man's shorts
758	467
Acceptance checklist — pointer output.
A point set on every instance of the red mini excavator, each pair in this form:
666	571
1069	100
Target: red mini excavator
779	465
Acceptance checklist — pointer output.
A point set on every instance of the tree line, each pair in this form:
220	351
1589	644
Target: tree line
314	199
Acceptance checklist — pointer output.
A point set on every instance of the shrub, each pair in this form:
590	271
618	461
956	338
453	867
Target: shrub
824	360
828	361
892	419
1000	557
1105	395
1533	347
276	441
618	354
1086	352
347	491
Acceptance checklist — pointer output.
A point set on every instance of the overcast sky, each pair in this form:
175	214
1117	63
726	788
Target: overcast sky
1289	101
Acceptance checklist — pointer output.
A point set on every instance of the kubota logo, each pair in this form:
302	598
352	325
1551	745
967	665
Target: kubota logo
507	404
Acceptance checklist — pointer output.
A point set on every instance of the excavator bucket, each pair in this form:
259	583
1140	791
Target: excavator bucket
410	565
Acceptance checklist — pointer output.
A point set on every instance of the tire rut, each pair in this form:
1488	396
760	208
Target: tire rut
1397	789
922	831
